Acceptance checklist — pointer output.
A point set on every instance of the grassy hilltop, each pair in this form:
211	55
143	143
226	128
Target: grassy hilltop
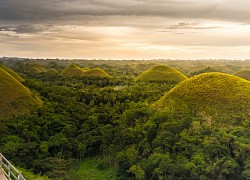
210	96
161	73
15	98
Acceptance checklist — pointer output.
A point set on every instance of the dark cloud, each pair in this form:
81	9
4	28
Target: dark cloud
20	29
36	10
187	25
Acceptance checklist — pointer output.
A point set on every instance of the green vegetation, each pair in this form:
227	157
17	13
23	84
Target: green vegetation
245	74
31	176
161	73
211	96
93	169
15	98
205	70
11	72
116	128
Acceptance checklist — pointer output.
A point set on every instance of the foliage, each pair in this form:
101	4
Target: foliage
93	168
245	74
106	128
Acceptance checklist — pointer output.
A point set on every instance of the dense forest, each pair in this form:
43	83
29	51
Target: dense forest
117	120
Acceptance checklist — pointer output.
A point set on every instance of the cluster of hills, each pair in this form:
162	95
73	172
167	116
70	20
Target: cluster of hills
159	122
208	94
75	71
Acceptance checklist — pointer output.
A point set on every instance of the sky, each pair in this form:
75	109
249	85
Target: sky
125	29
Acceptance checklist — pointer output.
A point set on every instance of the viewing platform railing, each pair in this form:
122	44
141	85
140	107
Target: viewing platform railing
9	170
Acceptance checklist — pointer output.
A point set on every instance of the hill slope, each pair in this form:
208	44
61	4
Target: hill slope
15	98
72	71
75	71
11	72
210	96
161	73
34	68
96	72
245	74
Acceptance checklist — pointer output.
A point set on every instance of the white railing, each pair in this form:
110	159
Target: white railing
9	170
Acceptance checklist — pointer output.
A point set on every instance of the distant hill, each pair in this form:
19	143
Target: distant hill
34	68
11	72
75	71
214	97
245	74
72	71
15	98
161	73
52	71
85	69
96	72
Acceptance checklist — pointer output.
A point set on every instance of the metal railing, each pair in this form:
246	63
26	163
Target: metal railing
9	170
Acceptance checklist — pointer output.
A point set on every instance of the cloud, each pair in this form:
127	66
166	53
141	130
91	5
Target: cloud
36	10
20	29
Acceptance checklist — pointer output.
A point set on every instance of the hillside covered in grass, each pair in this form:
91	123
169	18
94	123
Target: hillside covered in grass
161	73
11	72
15	98
245	74
210	96
72	71
35	68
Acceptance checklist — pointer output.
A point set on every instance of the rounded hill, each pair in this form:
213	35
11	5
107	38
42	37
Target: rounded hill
11	72
75	71
245	74
15	98
52	71
96	72
72	71
215	97
34	68
161	73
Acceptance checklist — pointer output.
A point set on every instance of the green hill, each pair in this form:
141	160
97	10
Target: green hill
85	69
215	97
161	73
245	74
11	72
15	98
52	71
96	72
72	71
75	71
34	68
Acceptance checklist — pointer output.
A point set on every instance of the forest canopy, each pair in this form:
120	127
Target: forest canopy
194	129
